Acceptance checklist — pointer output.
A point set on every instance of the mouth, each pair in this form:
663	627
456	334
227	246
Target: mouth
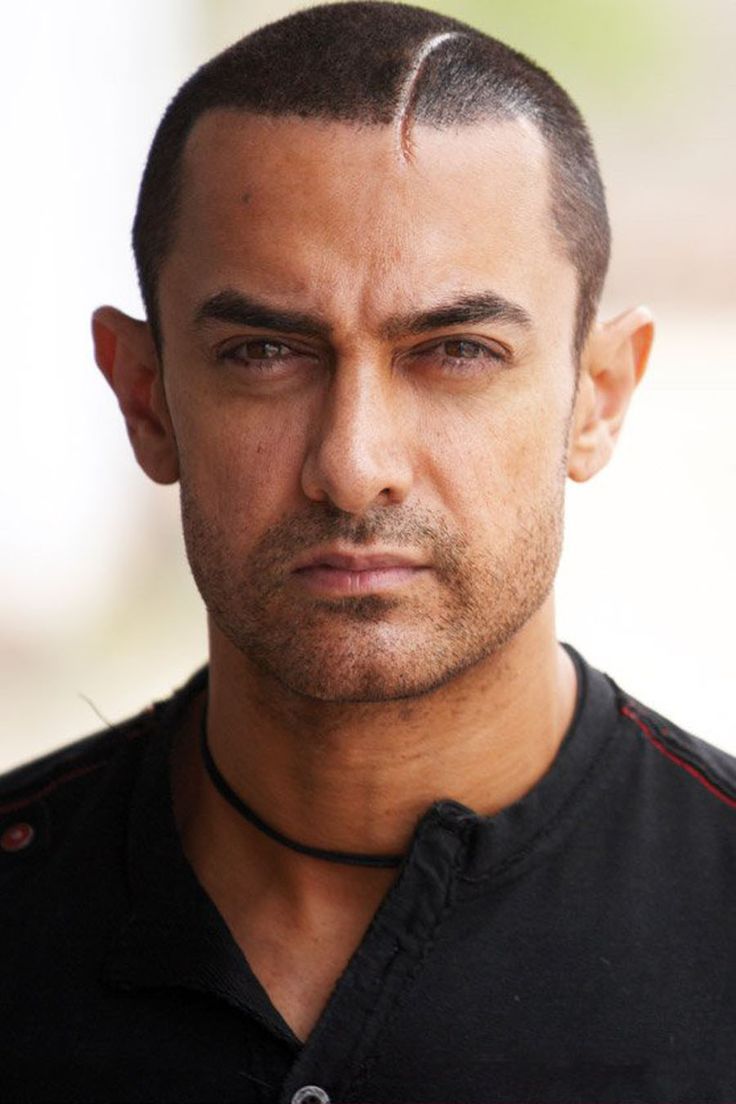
338	573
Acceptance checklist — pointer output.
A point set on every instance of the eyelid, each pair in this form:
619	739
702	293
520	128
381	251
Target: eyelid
226	348
492	347
496	349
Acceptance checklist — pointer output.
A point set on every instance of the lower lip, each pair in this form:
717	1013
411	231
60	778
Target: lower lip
335	580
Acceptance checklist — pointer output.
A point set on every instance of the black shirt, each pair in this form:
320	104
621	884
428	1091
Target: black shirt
576	948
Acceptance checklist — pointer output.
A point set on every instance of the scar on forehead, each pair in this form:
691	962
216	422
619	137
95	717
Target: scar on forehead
407	95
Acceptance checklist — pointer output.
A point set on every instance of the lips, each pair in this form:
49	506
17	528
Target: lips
341	574
345	562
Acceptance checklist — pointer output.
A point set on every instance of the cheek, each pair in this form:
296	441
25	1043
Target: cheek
242	469
505	461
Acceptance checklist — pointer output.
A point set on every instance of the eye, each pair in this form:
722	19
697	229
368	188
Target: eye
462	356
256	350
262	356
459	349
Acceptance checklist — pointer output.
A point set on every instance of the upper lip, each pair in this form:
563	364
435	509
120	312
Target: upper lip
348	561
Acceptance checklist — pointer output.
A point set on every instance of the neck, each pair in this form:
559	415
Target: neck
356	777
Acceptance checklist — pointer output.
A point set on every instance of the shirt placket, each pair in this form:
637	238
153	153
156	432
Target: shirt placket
336	1061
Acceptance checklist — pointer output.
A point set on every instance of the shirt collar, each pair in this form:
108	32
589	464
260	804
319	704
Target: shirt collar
173	935
523	833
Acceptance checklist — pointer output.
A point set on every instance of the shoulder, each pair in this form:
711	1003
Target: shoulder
46	793
40	777
707	772
42	800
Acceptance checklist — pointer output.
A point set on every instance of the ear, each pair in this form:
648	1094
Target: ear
612	364
127	357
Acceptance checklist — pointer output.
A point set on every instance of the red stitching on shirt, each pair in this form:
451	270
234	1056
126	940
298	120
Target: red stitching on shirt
78	772
696	774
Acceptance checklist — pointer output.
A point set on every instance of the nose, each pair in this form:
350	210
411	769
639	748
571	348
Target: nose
359	453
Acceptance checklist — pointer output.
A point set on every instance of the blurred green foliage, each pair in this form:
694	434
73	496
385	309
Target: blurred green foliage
619	53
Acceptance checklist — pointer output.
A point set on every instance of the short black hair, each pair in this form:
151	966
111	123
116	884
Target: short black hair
375	63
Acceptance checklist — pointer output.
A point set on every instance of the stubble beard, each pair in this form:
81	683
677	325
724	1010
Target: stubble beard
376	647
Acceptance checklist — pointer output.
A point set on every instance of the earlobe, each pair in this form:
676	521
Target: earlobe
612	365
127	357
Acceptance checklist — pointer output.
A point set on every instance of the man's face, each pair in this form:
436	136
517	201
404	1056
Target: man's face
363	354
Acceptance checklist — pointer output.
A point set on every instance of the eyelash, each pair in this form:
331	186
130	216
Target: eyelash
481	353
229	353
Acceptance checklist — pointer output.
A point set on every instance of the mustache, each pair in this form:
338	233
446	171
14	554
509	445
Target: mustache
417	530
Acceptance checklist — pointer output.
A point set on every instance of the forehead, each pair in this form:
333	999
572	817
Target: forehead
338	216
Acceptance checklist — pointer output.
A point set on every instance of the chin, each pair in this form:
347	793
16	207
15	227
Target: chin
366	686
372	673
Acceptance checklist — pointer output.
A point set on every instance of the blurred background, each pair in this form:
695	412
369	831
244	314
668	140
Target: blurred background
98	613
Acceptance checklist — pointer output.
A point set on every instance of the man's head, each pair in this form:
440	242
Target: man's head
360	259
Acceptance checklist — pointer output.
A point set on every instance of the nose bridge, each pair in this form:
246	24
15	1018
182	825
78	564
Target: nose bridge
357	454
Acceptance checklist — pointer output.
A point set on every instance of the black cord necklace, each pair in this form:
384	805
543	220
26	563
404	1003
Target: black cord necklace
350	857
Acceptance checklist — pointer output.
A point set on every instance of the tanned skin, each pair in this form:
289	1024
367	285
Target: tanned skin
312	395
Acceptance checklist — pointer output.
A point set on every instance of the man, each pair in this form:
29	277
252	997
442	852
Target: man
396	843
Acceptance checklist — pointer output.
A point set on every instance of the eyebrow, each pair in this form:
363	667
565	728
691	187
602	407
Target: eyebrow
241	310
483	307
